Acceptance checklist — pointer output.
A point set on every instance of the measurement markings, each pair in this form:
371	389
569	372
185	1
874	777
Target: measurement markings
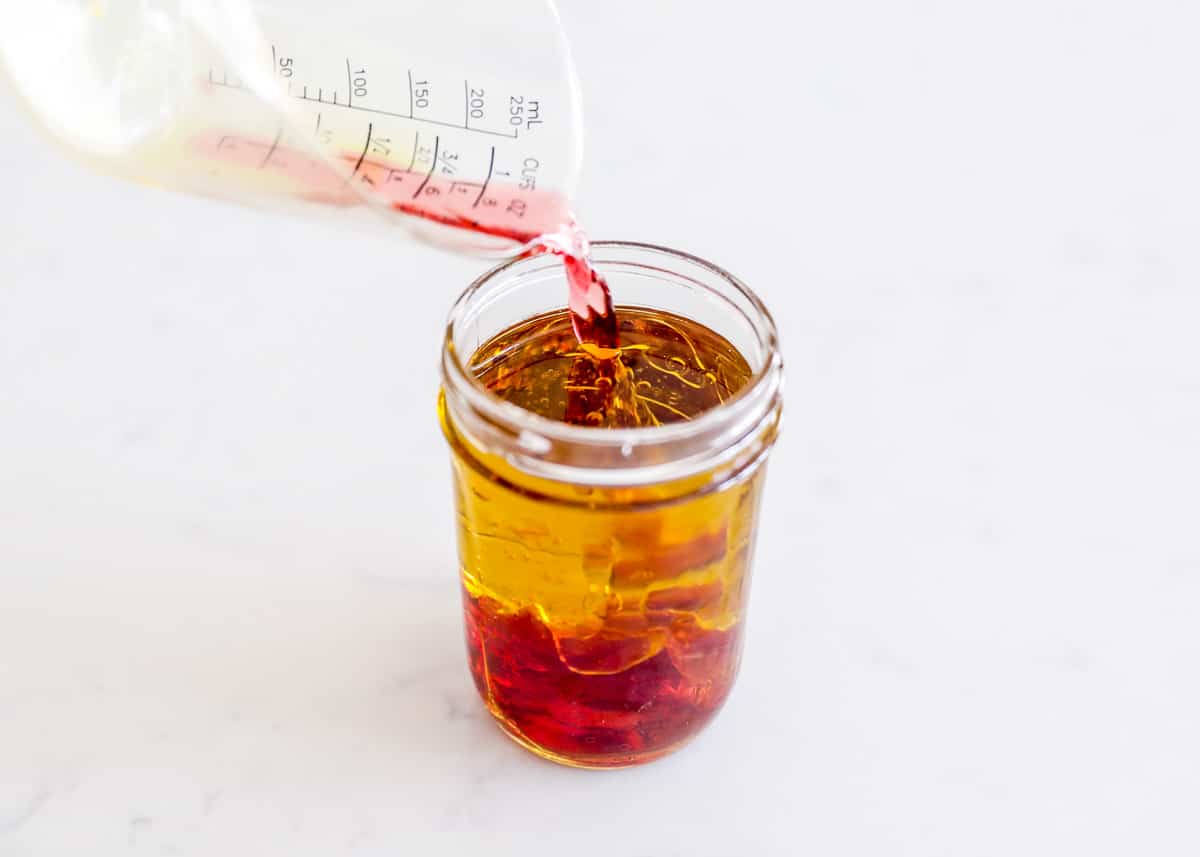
413	160
274	146
366	147
320	99
432	167
482	190
511	136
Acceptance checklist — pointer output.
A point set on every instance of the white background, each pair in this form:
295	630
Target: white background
228	608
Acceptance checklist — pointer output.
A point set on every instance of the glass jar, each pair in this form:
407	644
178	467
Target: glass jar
605	571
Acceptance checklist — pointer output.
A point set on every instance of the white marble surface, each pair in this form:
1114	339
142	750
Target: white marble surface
228	610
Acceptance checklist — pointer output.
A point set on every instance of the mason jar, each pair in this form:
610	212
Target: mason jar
605	571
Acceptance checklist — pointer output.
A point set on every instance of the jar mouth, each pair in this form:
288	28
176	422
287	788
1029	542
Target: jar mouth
535	439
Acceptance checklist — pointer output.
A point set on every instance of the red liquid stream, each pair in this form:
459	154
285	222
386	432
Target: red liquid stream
588	295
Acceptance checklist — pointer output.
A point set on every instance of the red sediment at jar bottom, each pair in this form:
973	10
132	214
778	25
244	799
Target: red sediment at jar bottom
605	716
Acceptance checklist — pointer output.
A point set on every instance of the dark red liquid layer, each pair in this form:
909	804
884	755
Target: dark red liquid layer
540	686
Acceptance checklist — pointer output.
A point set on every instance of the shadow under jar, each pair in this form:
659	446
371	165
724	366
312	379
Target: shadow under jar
605	570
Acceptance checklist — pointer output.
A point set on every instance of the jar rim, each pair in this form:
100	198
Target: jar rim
536	435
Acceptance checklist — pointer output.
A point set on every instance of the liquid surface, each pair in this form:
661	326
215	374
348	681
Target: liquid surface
666	369
605	636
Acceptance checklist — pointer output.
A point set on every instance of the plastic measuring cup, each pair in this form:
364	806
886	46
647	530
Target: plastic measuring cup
441	113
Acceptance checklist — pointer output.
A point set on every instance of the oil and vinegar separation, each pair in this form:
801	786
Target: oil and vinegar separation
604	629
